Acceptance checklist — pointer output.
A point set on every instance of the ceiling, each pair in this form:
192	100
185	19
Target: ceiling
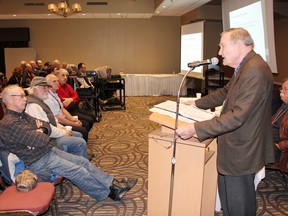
178	7
37	9
93	9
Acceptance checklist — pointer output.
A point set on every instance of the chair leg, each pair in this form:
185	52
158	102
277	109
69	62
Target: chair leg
54	206
61	189
59	183
2	183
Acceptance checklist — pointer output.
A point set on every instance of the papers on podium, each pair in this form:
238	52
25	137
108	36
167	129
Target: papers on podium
187	113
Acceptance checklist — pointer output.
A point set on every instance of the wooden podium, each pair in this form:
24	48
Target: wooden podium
195	177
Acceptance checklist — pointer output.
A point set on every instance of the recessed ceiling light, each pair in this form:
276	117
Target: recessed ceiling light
164	6
83	14
14	15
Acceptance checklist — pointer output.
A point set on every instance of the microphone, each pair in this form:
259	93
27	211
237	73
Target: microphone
213	61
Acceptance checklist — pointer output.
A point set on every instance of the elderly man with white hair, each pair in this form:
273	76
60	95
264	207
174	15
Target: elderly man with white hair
70	98
70	141
28	138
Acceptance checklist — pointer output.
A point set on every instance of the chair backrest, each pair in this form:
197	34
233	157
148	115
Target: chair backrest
104	72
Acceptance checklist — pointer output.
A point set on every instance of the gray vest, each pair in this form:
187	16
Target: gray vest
33	99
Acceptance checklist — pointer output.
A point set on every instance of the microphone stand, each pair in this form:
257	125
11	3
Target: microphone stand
175	137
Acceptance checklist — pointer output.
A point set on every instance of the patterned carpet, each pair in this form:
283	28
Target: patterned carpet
120	144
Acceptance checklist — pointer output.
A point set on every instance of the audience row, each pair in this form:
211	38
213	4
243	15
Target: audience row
29	138
44	126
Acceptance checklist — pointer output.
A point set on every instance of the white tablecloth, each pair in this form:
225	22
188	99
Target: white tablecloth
153	84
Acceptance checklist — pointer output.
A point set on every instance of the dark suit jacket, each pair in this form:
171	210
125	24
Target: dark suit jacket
14	80
243	129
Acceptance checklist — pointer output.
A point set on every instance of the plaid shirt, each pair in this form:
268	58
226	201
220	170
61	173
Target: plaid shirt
19	133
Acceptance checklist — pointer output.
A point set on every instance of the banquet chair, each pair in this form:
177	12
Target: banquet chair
2	184
59	183
34	202
11	165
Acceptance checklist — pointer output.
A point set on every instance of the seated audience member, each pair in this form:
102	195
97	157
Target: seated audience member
3	81
28	138
276	99
56	64
57	108
23	65
64	65
34	68
84	82
70	141
16	76
280	129
27	76
46	69
39	65
70	98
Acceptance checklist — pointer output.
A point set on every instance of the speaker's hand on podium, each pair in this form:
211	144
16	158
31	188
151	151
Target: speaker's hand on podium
187	131
189	102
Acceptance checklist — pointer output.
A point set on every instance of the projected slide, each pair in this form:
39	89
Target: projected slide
191	50
192	47
250	17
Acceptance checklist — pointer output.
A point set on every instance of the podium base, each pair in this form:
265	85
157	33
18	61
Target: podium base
195	179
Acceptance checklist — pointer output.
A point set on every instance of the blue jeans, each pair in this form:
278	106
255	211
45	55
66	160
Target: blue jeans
74	144
78	170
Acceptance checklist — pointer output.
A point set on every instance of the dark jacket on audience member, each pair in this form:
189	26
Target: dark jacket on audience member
283	144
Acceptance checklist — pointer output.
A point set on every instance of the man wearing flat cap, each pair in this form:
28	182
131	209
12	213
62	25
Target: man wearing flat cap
69	141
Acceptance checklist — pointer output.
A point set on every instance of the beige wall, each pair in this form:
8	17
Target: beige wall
134	45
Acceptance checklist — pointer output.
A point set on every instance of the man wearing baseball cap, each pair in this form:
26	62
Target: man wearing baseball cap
69	141
28	138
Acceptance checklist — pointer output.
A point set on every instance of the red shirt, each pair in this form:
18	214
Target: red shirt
66	91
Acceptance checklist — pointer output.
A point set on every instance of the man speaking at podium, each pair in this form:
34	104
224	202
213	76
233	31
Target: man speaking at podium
243	129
